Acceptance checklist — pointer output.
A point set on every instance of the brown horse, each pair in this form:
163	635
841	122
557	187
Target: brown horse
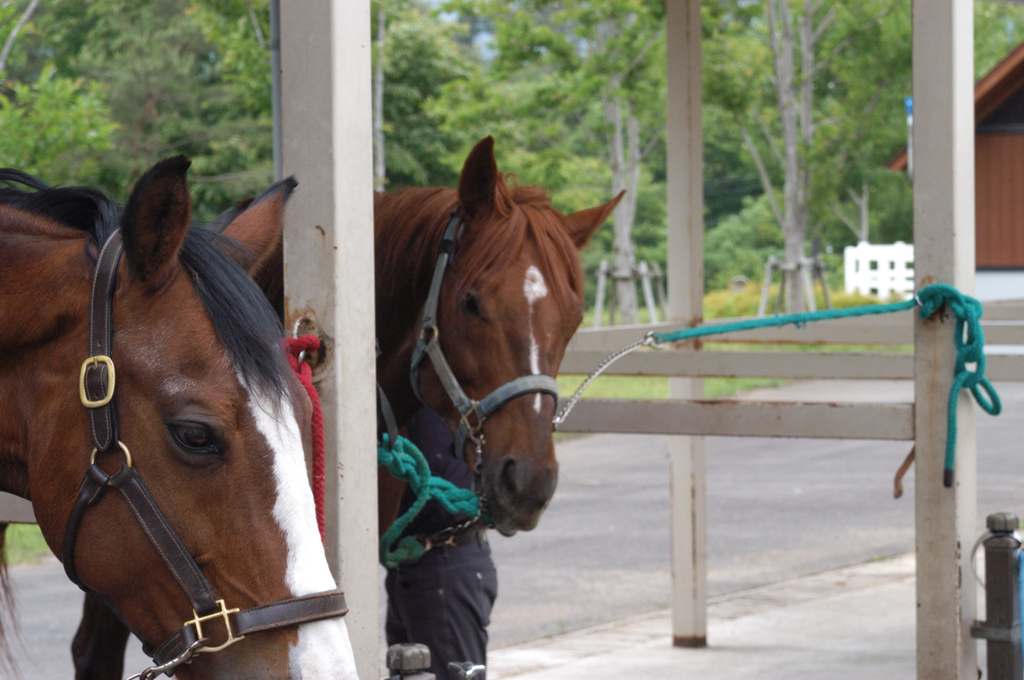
204	402
508	306
509	303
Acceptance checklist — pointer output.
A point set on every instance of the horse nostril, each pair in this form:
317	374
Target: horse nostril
509	482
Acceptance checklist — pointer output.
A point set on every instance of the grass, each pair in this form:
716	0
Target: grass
24	544
720	304
655	387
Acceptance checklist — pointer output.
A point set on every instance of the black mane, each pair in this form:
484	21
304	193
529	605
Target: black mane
241	316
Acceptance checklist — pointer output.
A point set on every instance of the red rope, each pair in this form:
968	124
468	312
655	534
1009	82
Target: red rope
295	346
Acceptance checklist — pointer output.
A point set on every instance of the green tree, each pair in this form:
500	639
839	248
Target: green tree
421	56
584	80
55	128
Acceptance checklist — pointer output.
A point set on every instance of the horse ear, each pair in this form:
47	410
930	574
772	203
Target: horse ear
156	219
259	227
584	223
479	179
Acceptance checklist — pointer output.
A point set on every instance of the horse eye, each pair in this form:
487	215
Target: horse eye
471	303
194	438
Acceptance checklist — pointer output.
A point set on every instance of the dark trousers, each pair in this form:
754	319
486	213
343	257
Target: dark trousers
444	601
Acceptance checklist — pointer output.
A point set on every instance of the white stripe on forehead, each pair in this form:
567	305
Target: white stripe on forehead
533	286
535	289
323	651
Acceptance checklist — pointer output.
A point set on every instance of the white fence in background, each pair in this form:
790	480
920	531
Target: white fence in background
879	269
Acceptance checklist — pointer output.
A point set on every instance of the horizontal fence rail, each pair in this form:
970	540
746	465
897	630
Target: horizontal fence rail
788	365
1003	325
15	510
743	419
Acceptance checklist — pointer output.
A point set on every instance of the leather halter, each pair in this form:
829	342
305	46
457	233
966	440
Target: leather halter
474	413
97	384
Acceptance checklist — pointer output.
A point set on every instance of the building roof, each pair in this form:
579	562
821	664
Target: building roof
995	88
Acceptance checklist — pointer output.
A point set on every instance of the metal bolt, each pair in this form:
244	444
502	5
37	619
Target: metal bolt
408	658
1002	522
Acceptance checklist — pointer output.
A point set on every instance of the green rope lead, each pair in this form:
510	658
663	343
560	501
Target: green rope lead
968	336
970	345
406	462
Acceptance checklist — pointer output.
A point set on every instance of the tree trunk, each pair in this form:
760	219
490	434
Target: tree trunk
862	205
379	169
625	175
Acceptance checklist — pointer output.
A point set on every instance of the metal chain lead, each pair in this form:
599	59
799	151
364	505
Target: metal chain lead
153	672
647	341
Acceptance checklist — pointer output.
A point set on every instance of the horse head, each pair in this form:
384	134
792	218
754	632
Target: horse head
204	404
511	299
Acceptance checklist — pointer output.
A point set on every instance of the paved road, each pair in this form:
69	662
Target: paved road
777	508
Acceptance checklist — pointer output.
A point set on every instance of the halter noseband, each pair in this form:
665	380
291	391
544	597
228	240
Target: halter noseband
474	413
96	387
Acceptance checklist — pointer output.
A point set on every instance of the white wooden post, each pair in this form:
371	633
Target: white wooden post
686	305
325	69
943	84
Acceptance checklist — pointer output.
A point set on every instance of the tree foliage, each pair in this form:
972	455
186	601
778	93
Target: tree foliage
55	127
421	57
95	91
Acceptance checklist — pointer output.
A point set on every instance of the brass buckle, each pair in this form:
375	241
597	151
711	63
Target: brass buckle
222	614
96	361
127	455
473	429
430	329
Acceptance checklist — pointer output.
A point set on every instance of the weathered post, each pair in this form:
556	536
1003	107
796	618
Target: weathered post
686	305
943	84
329	280
1001	627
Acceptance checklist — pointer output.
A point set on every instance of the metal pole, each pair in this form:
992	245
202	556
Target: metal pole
1001	629
909	104
275	82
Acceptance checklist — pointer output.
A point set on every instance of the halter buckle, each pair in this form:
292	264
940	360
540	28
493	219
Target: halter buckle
224	613
470	428
124	449
430	333
83	395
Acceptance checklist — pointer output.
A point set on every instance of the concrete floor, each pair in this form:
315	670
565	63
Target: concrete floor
852	623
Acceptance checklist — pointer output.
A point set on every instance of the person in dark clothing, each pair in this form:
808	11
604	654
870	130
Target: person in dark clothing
444	599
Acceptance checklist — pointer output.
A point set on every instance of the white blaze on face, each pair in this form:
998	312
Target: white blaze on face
534	289
323	651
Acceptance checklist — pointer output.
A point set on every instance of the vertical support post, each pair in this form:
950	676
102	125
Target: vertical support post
602	286
1002	598
329	277
686	305
644	271
943	84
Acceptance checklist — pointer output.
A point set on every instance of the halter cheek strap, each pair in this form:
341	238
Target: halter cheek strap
97	382
474	413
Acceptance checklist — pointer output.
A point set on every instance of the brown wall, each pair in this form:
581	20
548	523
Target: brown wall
999	200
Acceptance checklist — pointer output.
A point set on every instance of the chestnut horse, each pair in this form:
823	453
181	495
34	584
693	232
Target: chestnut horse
510	301
199	490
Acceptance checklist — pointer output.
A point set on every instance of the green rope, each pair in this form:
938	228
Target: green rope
968	336
970	344
405	461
